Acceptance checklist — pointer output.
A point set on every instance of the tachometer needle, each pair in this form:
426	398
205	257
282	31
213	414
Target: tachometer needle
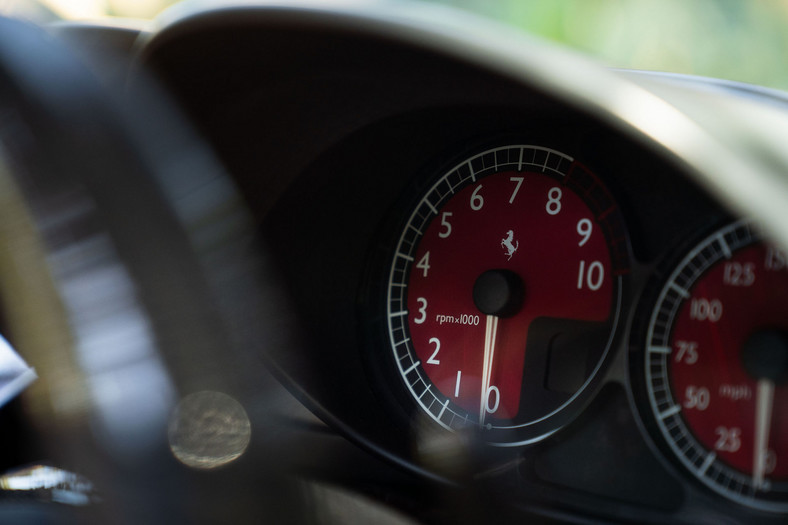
763	417
490	332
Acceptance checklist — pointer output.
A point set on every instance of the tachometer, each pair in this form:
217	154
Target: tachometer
717	366
505	291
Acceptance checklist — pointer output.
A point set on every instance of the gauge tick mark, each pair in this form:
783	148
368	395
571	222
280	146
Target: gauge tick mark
412	368
679	290
672	411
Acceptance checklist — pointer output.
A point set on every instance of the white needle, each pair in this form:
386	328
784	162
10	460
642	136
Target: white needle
763	418
490	331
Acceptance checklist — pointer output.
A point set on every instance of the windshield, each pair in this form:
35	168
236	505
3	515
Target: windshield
728	39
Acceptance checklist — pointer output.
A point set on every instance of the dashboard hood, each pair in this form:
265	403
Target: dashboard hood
716	133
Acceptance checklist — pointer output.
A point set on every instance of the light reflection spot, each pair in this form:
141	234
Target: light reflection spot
208	430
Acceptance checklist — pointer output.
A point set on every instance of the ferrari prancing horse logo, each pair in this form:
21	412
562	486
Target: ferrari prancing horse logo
508	246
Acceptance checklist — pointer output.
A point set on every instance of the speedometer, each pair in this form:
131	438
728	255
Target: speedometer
505	291
717	366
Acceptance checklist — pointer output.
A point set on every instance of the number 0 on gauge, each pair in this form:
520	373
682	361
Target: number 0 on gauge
504	292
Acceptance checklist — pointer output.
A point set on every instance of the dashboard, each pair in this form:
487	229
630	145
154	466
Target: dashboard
499	282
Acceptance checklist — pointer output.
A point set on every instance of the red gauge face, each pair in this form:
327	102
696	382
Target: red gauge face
718	364
505	290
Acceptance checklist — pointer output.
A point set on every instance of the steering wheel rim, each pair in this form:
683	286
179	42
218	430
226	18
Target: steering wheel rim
136	241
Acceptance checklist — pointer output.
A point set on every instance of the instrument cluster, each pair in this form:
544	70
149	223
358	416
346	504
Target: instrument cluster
477	257
505	306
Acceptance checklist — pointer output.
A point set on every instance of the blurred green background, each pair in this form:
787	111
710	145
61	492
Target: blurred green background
745	40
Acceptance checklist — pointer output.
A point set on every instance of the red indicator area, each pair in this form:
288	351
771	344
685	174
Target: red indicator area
527	223
719	398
